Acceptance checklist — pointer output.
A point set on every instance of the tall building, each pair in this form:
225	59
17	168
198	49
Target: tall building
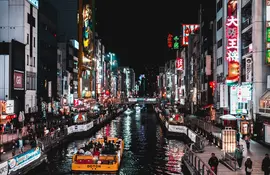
19	21
48	55
69	51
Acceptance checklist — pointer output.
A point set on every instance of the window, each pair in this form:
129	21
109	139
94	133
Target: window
219	61
27	41
34	41
219	43
27	60
34	61
219	24
219	5
30	80
31	61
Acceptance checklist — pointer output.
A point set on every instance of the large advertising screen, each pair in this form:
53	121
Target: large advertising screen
18	80
87	31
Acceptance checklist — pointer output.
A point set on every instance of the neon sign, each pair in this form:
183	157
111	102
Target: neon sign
232	50
176	42
188	29
170	40
179	65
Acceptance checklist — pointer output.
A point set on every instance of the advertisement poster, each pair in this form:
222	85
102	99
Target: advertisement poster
178	129
24	159
18	81
267	133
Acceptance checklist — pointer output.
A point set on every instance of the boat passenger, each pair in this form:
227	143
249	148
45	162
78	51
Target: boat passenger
81	151
88	153
96	152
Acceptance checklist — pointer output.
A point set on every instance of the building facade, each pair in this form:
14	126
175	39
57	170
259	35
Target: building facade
19	21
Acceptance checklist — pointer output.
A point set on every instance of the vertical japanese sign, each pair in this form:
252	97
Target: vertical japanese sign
232	50
267	31
188	29
173	42
179	64
248	69
176	43
170	41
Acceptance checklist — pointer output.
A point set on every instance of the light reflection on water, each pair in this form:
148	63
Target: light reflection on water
146	151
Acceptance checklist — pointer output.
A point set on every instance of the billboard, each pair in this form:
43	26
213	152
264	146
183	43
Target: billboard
88	44
188	29
18	80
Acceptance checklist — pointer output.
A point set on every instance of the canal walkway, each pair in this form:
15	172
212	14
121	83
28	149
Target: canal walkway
256	153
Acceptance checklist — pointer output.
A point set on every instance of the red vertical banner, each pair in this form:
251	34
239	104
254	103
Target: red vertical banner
179	64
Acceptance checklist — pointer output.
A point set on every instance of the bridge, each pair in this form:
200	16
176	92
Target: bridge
142	100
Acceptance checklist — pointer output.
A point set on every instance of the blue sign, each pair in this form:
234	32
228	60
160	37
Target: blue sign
24	159
34	3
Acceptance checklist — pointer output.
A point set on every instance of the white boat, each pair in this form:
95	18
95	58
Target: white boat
128	111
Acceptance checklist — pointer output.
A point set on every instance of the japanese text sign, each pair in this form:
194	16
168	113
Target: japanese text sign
170	40
188	29
232	43
179	64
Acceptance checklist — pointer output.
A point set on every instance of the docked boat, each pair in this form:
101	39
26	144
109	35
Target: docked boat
99	155
128	111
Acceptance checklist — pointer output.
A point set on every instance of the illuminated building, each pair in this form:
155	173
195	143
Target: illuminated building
20	23
128	81
86	35
70	68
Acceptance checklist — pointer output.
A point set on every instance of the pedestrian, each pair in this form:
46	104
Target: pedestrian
21	145
213	162
247	139
238	137
14	145
239	156
248	166
266	165
210	138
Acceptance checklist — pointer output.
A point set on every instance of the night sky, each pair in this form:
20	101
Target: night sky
137	30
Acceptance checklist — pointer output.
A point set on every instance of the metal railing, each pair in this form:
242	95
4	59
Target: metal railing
229	160
197	164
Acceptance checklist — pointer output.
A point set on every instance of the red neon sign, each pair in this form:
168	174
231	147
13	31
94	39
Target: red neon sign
179	64
170	40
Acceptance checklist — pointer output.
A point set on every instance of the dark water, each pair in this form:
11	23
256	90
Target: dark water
146	152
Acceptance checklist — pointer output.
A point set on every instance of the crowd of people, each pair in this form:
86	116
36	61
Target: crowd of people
96	148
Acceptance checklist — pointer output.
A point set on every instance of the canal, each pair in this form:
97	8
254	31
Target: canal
147	151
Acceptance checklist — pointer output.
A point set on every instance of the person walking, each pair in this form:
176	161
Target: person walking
238	137
210	138
239	156
247	139
248	166
213	162
266	165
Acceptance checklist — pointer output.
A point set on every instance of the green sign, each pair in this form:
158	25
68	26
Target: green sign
176	42
268	34
268	56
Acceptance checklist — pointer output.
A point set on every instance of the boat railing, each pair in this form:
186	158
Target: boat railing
197	163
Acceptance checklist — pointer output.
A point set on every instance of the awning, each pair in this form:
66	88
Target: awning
265	96
228	117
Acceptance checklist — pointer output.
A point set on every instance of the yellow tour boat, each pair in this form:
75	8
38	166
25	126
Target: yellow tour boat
99	155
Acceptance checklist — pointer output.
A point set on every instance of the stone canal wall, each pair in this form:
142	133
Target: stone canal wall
22	163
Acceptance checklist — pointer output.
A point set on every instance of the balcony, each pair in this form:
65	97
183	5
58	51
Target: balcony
246	24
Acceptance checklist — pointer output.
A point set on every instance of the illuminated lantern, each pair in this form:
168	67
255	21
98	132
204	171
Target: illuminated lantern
233	73
107	92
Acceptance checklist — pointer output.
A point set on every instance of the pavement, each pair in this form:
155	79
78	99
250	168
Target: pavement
256	153
5	138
